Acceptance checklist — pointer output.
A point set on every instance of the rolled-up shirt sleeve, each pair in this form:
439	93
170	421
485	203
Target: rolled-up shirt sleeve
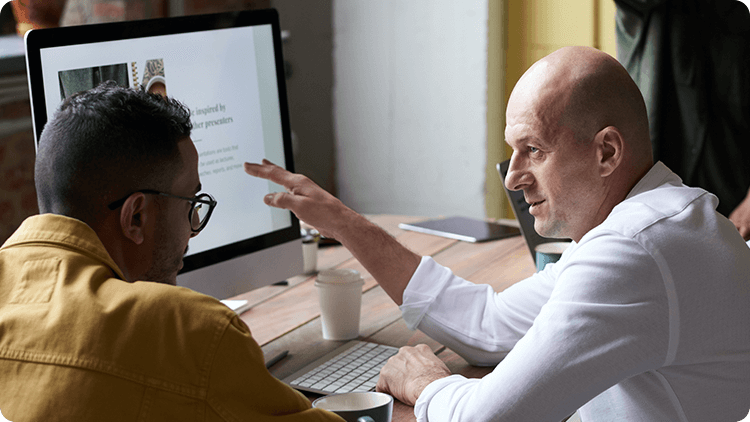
472	319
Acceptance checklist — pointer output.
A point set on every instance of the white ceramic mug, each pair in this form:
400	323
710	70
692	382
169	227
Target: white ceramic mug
368	406
547	253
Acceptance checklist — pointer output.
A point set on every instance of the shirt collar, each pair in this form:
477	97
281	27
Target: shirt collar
61	230
656	176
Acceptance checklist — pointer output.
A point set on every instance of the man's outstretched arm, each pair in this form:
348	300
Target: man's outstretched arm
390	263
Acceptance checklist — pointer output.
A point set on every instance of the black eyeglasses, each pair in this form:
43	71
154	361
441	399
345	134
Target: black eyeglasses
200	211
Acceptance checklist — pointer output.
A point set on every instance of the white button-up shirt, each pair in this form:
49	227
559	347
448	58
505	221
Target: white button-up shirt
647	318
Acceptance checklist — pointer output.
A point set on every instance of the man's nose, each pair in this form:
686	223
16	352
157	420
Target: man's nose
516	178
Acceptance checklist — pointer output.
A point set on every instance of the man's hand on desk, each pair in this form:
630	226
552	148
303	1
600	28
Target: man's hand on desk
409	372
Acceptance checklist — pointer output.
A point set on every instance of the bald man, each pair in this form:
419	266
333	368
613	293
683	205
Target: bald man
644	318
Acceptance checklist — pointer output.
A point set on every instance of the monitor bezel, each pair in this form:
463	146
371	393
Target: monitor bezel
37	40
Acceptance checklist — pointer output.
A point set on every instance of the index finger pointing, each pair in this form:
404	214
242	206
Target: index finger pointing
253	169
269	171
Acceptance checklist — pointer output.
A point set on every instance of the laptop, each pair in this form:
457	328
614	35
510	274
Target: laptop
525	219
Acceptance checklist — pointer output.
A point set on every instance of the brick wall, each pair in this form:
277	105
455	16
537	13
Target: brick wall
17	193
194	7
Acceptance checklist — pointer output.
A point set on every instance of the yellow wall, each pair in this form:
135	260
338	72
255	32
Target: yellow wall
529	30
496	201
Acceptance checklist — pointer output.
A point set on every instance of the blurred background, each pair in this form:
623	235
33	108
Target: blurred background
396	106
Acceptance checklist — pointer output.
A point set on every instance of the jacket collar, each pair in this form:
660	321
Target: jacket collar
65	232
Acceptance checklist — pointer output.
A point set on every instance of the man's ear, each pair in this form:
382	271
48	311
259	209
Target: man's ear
610	145
133	218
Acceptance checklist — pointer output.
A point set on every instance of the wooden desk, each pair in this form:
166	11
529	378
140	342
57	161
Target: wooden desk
288	317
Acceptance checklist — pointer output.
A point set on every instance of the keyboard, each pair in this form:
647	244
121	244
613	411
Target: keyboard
355	366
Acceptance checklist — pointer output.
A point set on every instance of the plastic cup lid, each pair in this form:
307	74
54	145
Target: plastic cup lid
339	276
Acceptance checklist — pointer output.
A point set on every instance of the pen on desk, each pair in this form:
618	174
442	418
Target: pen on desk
276	358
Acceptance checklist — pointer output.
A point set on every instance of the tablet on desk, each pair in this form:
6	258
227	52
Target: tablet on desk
463	228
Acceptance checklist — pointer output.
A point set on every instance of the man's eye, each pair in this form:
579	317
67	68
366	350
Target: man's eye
533	150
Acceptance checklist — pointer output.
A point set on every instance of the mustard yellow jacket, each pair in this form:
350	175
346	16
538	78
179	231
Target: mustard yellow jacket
77	343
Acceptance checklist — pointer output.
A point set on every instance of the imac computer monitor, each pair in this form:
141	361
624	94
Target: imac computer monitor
228	70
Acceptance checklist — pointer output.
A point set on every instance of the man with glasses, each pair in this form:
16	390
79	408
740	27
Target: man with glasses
201	207
92	326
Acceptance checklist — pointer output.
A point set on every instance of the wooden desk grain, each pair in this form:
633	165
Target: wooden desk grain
288	317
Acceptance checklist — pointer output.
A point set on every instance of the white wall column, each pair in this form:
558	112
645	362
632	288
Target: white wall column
410	105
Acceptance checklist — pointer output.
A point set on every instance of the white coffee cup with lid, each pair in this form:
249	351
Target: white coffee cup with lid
340	294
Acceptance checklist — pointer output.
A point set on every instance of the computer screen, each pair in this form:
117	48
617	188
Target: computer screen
228	69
